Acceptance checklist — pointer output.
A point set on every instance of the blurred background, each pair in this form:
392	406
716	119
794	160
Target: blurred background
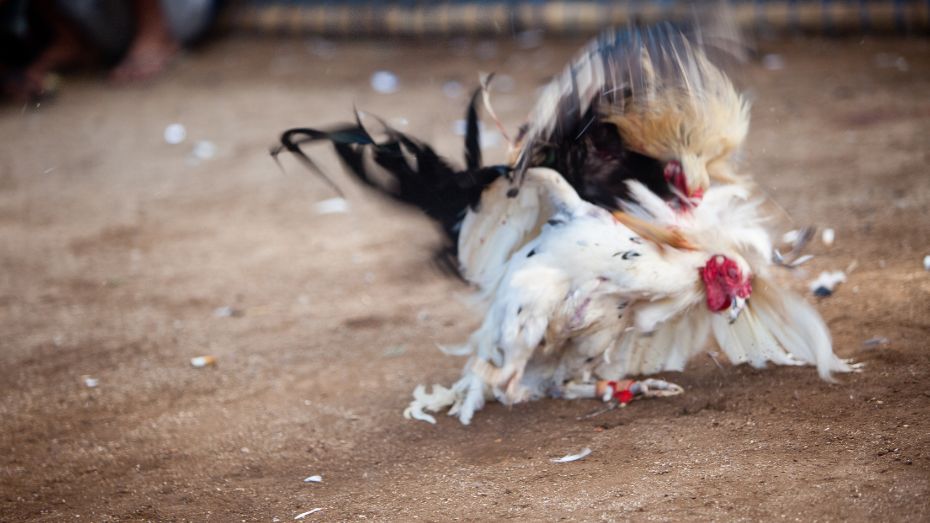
187	330
137	39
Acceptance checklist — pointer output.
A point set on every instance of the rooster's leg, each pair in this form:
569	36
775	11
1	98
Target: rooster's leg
622	391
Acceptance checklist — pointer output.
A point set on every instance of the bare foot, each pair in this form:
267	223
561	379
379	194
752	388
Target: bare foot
37	81
146	59
152	49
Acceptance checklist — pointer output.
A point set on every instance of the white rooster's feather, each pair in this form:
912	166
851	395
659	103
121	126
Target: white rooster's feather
583	297
502	224
776	325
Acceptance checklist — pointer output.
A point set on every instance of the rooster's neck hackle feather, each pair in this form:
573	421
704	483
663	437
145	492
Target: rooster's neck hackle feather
631	101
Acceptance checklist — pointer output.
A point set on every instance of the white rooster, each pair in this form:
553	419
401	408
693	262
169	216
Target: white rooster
575	300
578	296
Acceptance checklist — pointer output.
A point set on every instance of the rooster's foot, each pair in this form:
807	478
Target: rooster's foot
621	391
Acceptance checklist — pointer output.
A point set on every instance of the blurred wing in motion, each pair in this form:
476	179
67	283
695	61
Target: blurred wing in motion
638	103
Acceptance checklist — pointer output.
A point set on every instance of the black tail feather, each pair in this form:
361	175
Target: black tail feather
472	135
417	176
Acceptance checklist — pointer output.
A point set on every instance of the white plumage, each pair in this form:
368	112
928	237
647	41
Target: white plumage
572	295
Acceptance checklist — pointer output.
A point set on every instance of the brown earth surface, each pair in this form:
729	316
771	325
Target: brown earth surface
117	248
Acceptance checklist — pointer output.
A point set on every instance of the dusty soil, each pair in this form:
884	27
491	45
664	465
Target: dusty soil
117	248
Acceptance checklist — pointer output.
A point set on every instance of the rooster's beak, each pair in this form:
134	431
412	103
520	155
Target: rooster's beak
736	307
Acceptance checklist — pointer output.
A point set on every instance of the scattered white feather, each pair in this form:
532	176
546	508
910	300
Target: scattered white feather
385	82
828	236
455	350
307	513
200	362
226	312
332	206
572	457
314	479
204	150
175	134
927	262
791	236
91	383
825	284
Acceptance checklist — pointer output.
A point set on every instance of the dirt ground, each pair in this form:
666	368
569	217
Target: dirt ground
117	248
